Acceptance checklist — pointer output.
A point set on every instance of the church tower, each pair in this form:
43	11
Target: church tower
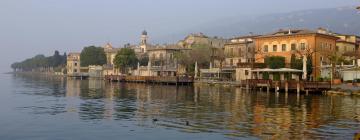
144	37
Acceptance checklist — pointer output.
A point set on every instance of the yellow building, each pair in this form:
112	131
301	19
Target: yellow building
347	44
318	44
73	63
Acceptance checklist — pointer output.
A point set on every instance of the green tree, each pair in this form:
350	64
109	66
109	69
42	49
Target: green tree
275	62
202	54
143	60
296	63
309	66
92	56
125	58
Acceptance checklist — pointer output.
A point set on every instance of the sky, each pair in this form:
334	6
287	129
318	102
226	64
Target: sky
31	27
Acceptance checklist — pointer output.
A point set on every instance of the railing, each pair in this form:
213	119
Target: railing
150	79
317	85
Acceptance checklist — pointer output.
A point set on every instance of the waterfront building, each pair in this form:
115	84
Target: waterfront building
217	46
239	59
347	43
110	53
162	62
200	38
320	45
239	50
73	63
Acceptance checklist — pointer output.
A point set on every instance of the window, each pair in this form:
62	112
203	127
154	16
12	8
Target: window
246	72
302	46
283	47
266	48
336	48
249	49
75	70
232	51
274	48
293	47
161	56
239	51
231	62
75	64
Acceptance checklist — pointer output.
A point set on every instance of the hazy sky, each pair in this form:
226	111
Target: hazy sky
30	27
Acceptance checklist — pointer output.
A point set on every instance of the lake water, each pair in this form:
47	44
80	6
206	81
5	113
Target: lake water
40	107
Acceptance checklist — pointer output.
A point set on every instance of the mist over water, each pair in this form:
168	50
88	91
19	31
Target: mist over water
40	107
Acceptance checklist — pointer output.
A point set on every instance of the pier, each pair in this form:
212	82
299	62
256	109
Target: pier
168	80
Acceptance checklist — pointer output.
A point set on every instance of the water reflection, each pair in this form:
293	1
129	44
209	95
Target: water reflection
223	110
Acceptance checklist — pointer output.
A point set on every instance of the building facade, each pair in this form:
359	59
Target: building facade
73	63
162	61
201	39
239	50
316	44
110	53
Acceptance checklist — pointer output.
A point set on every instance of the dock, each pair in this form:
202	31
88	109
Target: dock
168	80
307	86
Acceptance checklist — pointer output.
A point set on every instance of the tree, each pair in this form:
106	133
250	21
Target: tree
92	56
275	62
202	54
143	60
125	58
309	66
296	63
335	59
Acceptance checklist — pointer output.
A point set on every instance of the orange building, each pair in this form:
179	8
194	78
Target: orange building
317	44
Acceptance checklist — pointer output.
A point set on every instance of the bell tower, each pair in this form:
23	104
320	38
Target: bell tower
144	37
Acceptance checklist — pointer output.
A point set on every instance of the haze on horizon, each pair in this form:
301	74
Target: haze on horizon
35	27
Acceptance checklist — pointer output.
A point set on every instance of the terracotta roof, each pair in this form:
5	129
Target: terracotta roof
74	53
293	32
344	41
244	37
167	47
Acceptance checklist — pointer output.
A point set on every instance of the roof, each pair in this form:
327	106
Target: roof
291	32
167	47
244	37
344	41
74	53
276	70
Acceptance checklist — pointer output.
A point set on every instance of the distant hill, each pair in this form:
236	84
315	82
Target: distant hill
341	20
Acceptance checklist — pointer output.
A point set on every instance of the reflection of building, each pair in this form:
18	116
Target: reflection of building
73	63
285	43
